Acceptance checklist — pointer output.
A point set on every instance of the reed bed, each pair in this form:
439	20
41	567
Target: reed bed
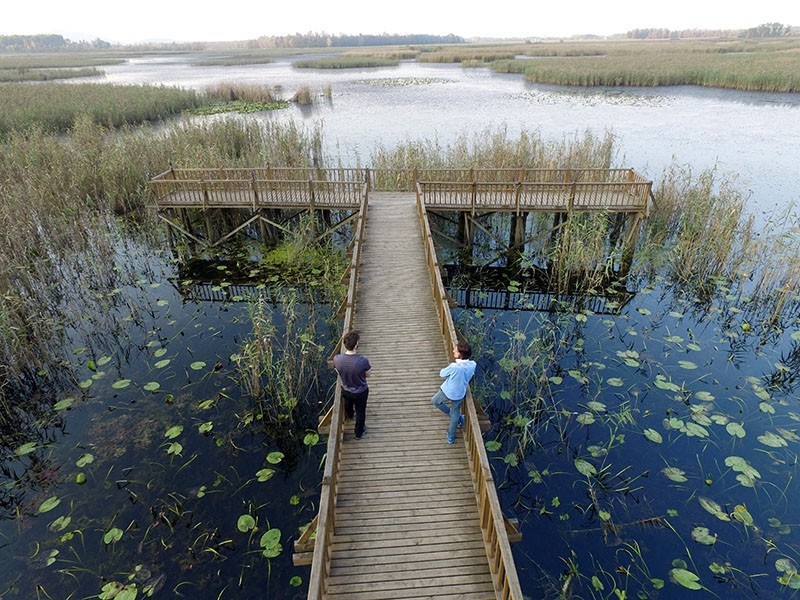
232	61
230	92
731	65
55	107
19	75
64	60
347	62
492	149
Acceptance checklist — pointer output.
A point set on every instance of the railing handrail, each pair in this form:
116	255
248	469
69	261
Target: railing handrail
501	561
325	517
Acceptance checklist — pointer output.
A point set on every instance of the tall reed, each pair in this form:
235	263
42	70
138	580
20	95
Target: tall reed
280	363
56	107
492	148
59	198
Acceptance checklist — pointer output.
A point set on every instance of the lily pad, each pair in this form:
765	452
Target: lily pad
585	467
49	504
245	523
84	459
701	535
173	432
715	509
772	440
653	436
26	448
735	429
675	474
198	365
174	448
64	404
685	578
741	514
113	535
265	474
121	384
270	543
275	457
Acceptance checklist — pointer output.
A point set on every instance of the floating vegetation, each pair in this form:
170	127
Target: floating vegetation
390	82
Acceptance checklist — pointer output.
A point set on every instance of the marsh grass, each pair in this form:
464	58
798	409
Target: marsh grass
352	61
54	107
62	60
492	149
740	65
47	74
231	92
234	60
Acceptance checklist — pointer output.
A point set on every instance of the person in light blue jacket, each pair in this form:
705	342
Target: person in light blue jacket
454	389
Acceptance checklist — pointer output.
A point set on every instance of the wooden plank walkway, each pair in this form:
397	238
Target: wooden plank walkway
407	523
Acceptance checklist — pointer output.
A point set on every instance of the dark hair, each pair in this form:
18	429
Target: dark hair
464	350
350	340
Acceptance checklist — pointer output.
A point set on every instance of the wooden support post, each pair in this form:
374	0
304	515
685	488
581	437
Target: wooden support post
516	240
465	239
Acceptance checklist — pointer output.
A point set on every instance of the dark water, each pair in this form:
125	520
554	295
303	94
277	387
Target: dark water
657	454
165	375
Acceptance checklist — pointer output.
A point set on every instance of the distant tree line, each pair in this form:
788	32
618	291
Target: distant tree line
46	43
767	30
324	40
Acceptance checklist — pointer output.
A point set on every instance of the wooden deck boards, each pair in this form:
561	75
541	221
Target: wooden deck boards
407	522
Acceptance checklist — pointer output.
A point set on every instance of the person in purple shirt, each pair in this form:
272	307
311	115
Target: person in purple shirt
353	370
454	389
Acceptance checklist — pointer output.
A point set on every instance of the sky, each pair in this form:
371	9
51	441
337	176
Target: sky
183	21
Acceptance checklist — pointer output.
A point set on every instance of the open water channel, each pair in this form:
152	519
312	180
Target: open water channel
663	466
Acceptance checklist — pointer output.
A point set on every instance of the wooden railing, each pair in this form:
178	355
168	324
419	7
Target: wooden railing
537	189
493	523
324	525
258	188
464	189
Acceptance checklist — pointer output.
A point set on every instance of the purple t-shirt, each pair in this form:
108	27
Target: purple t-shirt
351	369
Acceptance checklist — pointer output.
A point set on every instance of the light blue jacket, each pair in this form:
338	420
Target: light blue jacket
458	374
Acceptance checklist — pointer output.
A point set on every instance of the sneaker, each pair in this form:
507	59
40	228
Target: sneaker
451	440
461	421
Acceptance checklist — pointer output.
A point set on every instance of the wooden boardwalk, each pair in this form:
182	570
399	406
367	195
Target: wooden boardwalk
402	514
407	523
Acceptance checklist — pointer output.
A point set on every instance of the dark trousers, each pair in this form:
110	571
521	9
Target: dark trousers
356	405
